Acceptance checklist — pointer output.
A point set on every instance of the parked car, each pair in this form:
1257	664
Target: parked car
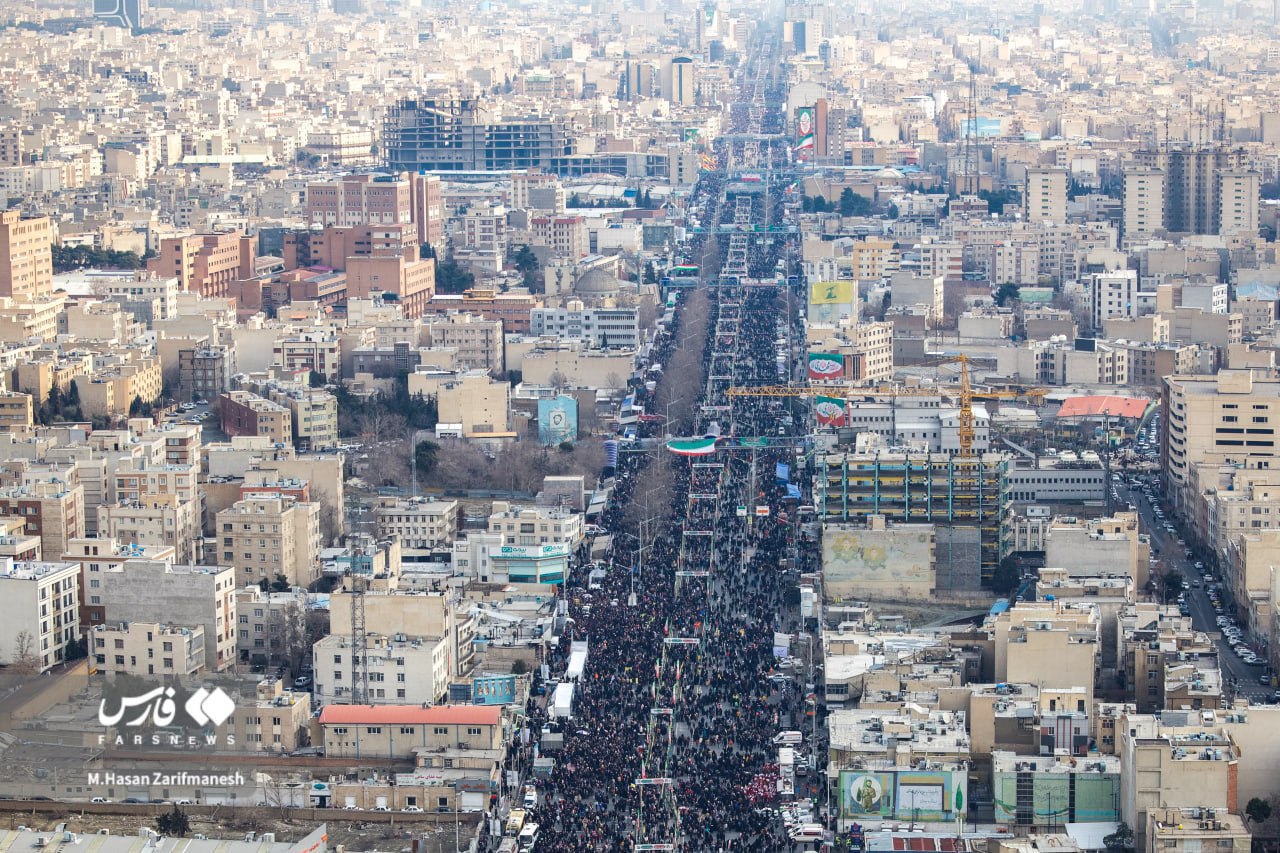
412	809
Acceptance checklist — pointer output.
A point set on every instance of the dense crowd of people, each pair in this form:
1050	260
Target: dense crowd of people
667	738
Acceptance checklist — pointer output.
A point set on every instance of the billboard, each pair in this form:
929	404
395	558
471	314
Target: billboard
826	366
557	420
903	794
896	562
806	126
831	293
829	411
493	690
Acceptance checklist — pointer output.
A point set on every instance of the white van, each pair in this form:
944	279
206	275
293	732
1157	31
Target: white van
809	832
528	836
789	738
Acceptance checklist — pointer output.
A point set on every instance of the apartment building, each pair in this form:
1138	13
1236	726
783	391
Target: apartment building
39	609
1111	295
1044	196
601	327
155	521
114	389
148	649
360	200
95	555
26	257
514	309
207	264
1218	418
565	236
205	371
313	414
246	414
403	670
478	341
409	283
270	626
1031	633
53	511
140	590
1142	203
16	410
266	536
421	524
1166	765
272	720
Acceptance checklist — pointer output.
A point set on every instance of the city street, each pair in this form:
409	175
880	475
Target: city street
1172	557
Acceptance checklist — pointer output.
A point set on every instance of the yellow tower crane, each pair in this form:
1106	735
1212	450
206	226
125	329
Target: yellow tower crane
964	391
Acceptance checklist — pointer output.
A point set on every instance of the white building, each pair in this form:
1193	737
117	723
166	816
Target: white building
39	612
1112	294
602	327
402	670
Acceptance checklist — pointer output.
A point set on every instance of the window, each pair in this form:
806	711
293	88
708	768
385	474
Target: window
440	730
407	730
373	730
473	730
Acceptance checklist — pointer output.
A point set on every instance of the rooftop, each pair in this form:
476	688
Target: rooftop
410	715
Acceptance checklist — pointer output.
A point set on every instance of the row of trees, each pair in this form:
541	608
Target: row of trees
849	204
68	258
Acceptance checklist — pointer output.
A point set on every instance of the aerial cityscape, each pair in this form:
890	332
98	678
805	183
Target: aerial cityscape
727	425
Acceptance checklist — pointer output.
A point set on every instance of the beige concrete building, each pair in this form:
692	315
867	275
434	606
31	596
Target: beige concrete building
419	523
148	649
266	535
577	368
274	720
113	390
1044	196
1099	547
22	321
313	414
1034	632
16	410
140	589
154	521
52	511
398	731
478	341
39	612
477	404
1165	766
1142	205
1184	829
26	257
1220	418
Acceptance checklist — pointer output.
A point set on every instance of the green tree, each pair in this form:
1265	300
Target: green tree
280	584
426	456
451	278
852	204
173	824
526	263
1119	841
1258	810
1006	292
1004	580
1174	584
